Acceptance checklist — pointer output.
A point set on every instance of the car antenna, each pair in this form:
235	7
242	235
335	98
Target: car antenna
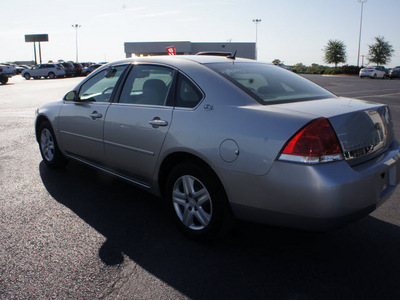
232	56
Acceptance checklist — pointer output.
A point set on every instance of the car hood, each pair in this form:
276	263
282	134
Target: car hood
364	129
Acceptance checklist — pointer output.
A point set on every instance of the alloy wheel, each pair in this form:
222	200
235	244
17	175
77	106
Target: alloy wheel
47	144
192	202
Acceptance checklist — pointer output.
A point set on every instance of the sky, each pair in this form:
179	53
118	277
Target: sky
293	31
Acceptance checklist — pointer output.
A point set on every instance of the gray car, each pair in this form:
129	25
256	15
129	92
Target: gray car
222	138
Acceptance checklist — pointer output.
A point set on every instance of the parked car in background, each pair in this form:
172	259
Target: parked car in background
19	69
6	71
382	68
78	69
86	64
44	70
90	69
69	69
218	136
372	72
394	73
283	66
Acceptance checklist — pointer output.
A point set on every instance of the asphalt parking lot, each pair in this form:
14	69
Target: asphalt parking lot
80	234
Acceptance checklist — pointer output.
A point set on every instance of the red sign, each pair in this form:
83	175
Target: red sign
171	50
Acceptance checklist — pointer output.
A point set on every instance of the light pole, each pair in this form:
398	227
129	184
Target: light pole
76	26
256	21
359	36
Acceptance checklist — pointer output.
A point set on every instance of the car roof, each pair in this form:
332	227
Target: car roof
172	59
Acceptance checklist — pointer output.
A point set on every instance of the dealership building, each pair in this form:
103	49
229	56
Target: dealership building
246	50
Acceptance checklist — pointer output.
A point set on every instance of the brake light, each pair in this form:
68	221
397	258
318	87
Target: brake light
1	70
314	143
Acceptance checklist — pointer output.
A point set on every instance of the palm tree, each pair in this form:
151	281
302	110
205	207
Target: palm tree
335	52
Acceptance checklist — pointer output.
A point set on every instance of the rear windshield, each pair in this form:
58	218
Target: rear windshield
270	84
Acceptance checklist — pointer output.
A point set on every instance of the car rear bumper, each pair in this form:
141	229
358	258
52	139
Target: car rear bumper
313	197
367	75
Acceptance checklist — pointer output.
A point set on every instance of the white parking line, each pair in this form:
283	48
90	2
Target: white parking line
371	91
381	95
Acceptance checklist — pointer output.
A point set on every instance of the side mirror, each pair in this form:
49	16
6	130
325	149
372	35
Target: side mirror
72	96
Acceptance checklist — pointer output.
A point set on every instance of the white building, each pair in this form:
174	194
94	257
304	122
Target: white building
245	50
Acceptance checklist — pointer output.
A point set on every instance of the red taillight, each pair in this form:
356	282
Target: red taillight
1	70
315	143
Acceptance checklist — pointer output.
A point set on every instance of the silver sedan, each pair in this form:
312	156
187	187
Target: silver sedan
222	138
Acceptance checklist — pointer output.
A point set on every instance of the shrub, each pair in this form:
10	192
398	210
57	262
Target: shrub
299	68
351	70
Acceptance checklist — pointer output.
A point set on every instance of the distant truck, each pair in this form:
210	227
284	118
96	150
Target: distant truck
6	72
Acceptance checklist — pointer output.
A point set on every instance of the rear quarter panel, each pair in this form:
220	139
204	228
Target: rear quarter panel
259	131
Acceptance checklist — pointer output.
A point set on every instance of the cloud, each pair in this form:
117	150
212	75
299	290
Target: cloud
124	12
160	14
193	4
186	20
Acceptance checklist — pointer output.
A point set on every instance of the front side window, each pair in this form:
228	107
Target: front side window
270	84
100	87
147	85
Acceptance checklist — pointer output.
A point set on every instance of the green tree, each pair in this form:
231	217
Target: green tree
335	52
381	52
277	61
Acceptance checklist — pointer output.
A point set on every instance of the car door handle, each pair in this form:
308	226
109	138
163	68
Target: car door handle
95	115
157	122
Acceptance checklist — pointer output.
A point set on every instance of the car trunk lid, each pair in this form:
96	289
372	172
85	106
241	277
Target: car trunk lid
364	129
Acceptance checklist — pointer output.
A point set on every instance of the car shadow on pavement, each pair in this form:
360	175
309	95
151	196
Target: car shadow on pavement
360	260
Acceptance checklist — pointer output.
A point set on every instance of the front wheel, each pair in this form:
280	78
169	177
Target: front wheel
52	75
48	146
3	79
27	76
197	201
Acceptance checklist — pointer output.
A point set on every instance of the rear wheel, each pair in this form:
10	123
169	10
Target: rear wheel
197	201
27	76
52	75
48	146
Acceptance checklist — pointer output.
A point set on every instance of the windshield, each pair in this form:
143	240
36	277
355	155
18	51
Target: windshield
269	84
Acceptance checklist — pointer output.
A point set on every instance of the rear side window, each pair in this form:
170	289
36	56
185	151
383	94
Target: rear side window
187	94
148	85
269	84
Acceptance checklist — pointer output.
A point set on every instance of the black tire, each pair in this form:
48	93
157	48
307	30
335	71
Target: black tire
203	216
52	75
27	76
48	146
3	79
